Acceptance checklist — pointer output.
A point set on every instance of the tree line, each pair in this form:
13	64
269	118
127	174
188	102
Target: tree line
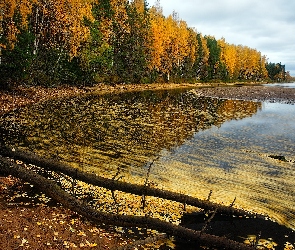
90	41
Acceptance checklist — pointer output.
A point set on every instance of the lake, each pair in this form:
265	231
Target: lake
284	85
235	149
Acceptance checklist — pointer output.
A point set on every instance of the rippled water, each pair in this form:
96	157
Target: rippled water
196	144
235	160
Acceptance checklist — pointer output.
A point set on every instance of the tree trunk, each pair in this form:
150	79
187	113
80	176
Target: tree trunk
110	184
54	191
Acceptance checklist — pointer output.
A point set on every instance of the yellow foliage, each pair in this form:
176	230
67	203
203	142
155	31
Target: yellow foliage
192	45
158	37
139	5
120	14
172	41
242	61
60	20
64	22
8	10
228	56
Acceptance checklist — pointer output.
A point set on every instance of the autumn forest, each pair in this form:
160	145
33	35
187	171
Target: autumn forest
91	41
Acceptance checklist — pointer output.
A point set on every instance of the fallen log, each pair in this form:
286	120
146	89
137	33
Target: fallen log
111	184
59	195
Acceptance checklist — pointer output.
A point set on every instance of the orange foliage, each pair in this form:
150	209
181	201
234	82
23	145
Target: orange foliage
228	56
242	62
158	37
9	28
120	15
139	4
172	41
172	45
61	21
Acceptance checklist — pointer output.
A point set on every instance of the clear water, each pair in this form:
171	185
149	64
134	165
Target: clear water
197	144
236	160
284	85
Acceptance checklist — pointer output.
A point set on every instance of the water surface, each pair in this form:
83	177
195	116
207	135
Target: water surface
196	144
236	160
284	85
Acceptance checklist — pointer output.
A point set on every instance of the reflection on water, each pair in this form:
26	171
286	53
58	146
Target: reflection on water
104	133
200	144
234	161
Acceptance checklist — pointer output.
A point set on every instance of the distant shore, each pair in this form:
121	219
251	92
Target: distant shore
251	93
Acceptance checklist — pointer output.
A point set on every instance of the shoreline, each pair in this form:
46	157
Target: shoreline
22	96
251	93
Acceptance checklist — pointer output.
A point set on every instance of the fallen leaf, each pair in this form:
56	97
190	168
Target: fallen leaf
24	241
81	234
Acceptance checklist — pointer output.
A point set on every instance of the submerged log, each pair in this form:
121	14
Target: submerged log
91	178
59	195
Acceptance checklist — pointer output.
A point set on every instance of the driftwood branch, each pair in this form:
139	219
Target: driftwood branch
51	189
110	184
208	221
209	195
146	183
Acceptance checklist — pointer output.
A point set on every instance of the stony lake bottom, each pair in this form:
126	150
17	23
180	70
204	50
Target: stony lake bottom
235	150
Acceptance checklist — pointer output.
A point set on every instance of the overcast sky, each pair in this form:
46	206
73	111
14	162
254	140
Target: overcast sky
265	25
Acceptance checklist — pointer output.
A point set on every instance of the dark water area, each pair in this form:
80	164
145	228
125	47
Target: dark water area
270	234
235	149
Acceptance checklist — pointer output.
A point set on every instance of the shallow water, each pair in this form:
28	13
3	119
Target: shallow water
234	161
284	85
194	144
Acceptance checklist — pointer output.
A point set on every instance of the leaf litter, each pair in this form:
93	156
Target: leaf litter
39	220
